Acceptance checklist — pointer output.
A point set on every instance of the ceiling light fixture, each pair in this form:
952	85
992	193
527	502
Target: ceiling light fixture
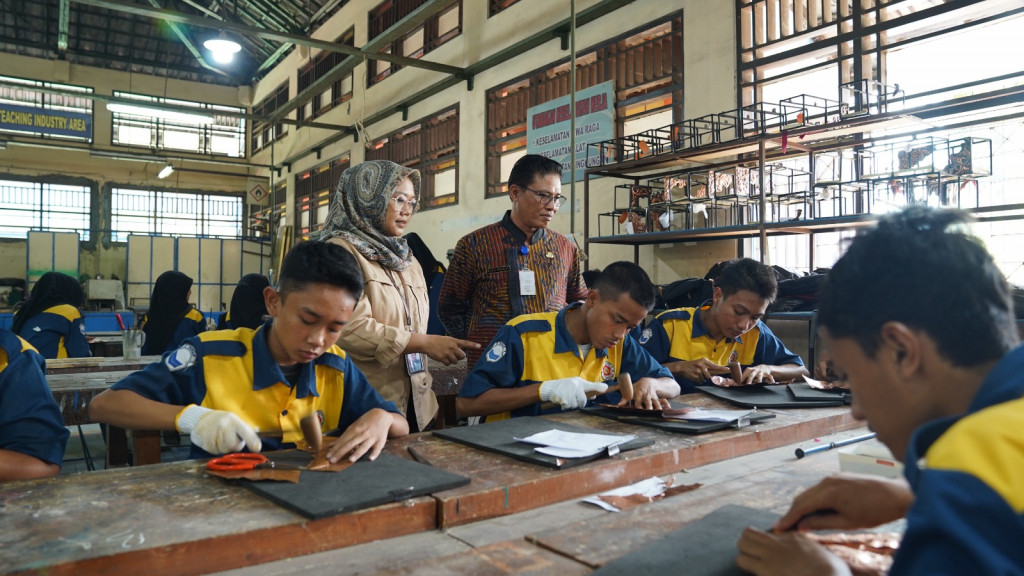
145	111
222	48
166	171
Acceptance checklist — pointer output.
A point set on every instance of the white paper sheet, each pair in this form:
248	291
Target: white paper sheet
563	444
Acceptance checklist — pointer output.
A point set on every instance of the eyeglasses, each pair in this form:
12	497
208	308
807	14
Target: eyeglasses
547	199
401	203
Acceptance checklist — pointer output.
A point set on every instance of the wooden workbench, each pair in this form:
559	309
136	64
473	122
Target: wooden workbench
171	519
97	364
571	537
515	486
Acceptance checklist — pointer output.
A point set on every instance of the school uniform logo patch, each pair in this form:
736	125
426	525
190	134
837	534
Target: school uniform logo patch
497	352
182	358
646	335
607	371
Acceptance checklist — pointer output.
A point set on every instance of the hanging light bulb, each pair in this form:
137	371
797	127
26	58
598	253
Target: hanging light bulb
222	48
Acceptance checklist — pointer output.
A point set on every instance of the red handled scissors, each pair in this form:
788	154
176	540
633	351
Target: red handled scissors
244	461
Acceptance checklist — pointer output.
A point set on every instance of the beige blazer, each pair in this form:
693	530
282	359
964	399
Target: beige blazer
377	333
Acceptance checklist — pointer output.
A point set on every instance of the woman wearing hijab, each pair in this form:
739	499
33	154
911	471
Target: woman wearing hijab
51	319
248	308
386	336
170	318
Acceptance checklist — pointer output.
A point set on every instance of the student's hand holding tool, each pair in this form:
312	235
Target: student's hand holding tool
570	393
217	431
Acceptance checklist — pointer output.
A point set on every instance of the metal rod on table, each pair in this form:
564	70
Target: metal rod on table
800	452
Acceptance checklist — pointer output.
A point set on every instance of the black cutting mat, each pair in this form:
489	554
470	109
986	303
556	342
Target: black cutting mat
803	391
362	485
774	396
500	437
706	547
670	425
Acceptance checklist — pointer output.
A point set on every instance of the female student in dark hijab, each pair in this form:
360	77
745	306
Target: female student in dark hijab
51	319
170	318
248	308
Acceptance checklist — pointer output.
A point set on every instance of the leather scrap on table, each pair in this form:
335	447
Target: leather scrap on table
320	463
867	554
259	474
634	500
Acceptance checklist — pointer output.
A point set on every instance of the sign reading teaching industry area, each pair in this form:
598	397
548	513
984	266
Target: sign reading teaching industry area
548	126
45	122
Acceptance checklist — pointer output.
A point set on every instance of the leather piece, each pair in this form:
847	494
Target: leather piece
634	500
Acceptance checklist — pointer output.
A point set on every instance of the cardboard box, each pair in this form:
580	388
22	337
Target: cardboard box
869	457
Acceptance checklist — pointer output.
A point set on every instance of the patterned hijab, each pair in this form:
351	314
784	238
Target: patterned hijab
360	206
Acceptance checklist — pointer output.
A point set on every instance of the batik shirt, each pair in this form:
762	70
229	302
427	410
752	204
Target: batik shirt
481	291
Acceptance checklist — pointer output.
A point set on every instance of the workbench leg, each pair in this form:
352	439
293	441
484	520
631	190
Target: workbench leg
145	447
117	447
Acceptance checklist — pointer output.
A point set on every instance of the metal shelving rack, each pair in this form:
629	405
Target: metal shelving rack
696	152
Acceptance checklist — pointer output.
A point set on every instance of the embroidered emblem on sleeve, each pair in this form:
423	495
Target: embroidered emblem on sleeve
646	335
497	352
182	358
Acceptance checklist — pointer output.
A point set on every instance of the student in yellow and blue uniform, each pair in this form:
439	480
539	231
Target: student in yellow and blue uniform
32	432
221	387
170	318
919	322
566	356
51	319
696	343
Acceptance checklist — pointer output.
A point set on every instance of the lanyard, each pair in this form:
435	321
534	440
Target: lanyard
402	295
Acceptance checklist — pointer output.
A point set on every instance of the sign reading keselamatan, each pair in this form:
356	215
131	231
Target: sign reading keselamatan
548	127
45	122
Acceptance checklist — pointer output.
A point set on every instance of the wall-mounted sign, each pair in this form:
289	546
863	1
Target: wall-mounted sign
548	127
43	122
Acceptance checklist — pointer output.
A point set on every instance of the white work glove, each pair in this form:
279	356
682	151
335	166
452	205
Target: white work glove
217	431
570	393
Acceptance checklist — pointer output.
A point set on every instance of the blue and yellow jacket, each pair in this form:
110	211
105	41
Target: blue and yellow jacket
534	348
233	370
967	474
30	420
192	324
680	335
57	332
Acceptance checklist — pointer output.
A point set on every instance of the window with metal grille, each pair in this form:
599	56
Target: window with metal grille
26	205
862	51
184	125
173	213
905	53
263	133
437	30
318	67
21	93
431	146
313	191
646	65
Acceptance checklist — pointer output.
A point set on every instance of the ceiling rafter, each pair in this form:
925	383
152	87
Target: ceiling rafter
179	17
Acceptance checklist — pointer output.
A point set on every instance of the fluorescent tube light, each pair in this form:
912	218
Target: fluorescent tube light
193	118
